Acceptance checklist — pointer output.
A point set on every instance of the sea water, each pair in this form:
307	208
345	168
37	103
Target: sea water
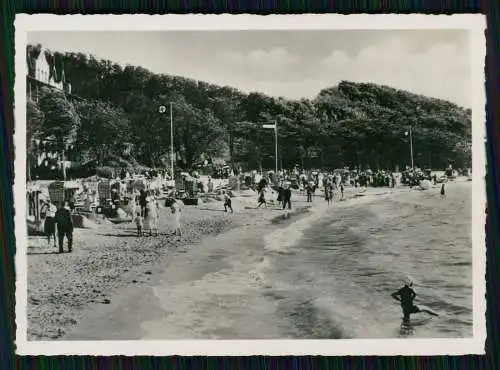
336	281
329	274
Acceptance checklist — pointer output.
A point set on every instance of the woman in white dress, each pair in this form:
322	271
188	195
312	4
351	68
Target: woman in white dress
152	218
176	209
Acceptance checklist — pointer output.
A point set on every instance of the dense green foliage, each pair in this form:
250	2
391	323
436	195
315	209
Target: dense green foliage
114	110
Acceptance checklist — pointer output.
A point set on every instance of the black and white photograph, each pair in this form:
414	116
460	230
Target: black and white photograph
250	185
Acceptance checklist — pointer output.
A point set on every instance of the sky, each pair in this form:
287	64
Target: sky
289	64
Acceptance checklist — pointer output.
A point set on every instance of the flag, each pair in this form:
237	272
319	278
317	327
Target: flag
269	126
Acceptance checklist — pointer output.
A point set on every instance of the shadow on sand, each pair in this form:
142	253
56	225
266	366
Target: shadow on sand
41	253
213	210
134	235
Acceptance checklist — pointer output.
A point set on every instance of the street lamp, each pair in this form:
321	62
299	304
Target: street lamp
275	127
409	133
162	109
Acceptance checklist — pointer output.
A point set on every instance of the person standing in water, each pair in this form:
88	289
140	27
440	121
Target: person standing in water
406	296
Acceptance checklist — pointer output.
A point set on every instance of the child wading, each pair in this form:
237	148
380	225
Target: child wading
405	296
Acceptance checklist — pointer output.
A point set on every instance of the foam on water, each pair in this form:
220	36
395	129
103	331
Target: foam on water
220	305
360	254
328	274
281	239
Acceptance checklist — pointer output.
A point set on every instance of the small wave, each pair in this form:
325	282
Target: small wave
282	239
456	321
258	273
310	321
449	308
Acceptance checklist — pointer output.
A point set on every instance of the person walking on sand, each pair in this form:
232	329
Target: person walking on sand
287	197
309	191
64	227
210	185
328	193
227	201
443	192
139	222
341	190
142	201
49	226
176	211
152	217
262	198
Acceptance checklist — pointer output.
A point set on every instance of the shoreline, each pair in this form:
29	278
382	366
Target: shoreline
109	257
109	265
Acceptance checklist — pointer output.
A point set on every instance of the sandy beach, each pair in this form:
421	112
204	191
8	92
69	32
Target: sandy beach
110	263
116	286
107	257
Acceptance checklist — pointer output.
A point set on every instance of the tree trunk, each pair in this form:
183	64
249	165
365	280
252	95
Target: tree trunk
63	165
29	167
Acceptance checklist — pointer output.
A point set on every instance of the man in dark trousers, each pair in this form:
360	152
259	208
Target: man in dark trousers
142	202
64	227
309	192
287	198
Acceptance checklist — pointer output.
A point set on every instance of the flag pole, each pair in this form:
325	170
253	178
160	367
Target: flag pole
276	146
411	148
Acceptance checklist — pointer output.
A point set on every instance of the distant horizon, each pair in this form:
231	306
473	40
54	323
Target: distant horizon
292	65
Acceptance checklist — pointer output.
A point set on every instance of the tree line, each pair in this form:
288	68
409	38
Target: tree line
113	113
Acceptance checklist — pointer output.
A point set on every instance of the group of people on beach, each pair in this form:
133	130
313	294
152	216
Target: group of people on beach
146	213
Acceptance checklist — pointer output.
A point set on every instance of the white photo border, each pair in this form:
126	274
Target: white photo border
474	23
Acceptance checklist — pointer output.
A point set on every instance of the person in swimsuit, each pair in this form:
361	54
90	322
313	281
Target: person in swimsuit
405	296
